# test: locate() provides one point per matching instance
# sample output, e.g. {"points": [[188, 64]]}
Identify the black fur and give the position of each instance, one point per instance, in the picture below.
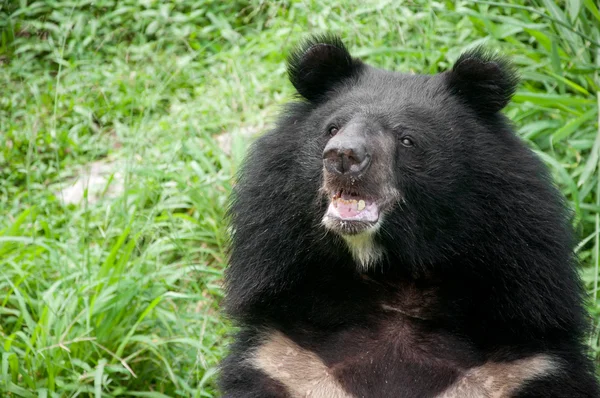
{"points": [[478, 245], [319, 64], [484, 80]]}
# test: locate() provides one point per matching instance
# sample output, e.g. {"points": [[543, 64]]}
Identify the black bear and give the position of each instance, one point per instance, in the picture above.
{"points": [[393, 237]]}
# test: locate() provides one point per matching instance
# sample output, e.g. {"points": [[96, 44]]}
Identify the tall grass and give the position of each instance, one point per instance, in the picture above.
{"points": [[119, 296]]}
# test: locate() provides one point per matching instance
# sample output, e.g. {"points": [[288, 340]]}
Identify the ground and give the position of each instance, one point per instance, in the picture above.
{"points": [[114, 289]]}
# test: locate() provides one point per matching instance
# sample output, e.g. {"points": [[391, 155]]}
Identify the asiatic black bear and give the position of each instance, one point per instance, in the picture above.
{"points": [[392, 237]]}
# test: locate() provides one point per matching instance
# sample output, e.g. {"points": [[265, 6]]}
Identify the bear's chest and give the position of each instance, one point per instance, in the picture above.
{"points": [[398, 358]]}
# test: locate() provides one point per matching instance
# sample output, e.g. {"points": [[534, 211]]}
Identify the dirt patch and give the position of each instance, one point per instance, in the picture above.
{"points": [[101, 179]]}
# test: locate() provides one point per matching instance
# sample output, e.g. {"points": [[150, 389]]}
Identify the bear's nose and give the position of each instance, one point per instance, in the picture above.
{"points": [[346, 155]]}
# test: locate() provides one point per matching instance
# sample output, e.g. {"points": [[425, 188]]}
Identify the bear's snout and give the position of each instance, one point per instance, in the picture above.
{"points": [[347, 153]]}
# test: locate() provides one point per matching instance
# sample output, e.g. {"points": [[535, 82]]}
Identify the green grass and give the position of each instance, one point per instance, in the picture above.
{"points": [[119, 296]]}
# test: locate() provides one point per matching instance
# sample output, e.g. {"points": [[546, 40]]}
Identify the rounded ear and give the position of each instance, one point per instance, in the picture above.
{"points": [[484, 80], [318, 64]]}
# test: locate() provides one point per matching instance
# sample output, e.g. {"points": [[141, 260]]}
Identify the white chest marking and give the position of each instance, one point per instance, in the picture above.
{"points": [[500, 379], [305, 375], [301, 371]]}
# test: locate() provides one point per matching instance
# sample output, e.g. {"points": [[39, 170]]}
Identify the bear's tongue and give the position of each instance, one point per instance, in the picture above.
{"points": [[346, 207]]}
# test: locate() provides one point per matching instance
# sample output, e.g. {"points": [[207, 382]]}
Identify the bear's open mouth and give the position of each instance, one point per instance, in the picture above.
{"points": [[350, 206]]}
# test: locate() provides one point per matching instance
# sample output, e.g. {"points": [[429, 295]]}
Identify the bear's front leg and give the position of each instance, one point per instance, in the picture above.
{"points": [[240, 378]]}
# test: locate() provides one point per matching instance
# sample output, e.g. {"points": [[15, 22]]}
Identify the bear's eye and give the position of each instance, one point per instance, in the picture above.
{"points": [[407, 142], [333, 130]]}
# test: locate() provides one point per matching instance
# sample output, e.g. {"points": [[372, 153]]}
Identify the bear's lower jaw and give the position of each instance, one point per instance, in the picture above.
{"points": [[348, 226]]}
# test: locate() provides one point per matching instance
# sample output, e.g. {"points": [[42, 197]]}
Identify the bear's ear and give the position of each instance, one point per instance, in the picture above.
{"points": [[318, 64], [483, 79]]}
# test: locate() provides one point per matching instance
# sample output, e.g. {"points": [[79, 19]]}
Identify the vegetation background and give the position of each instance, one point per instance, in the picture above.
{"points": [[122, 123]]}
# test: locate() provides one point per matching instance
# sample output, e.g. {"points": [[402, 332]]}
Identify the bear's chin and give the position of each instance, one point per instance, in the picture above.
{"points": [[349, 227]]}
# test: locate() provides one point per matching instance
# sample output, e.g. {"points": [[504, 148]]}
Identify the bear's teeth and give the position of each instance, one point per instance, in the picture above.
{"points": [[361, 205]]}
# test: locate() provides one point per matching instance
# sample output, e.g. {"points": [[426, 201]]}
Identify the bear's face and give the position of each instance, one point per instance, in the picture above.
{"points": [[392, 146], [384, 136]]}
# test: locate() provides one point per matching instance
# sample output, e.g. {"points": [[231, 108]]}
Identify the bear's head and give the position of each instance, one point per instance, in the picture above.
{"points": [[398, 150], [388, 170]]}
